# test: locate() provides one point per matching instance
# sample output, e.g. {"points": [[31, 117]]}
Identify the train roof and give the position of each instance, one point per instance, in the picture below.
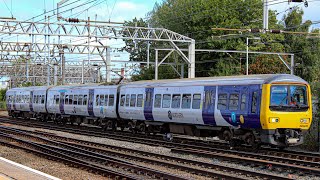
{"points": [[84, 86], [39, 88], [223, 80]]}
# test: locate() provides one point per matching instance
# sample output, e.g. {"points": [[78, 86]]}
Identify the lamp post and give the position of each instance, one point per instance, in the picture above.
{"points": [[247, 60]]}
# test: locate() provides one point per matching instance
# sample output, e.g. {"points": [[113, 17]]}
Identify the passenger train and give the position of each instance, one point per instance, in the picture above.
{"points": [[255, 109]]}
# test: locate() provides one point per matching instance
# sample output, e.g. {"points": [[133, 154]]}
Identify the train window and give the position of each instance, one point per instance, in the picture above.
{"points": [[196, 101], [75, 99], [71, 99], [222, 101], [148, 98], [34, 99], [122, 100], [140, 100], [85, 99], [39, 99], [56, 99], [42, 99], [106, 98], [233, 101], [208, 97], [127, 99], [101, 103], [80, 99], [175, 103], [157, 101], [133, 100], [97, 100], [111, 100], [66, 100], [166, 100], [186, 101], [243, 101], [254, 102]]}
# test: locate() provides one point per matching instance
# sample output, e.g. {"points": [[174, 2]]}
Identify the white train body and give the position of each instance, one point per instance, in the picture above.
{"points": [[88, 101]]}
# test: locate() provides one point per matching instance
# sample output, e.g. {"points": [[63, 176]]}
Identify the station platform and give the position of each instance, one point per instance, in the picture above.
{"points": [[11, 170]]}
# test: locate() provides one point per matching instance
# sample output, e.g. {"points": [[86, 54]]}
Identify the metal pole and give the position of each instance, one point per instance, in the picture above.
{"points": [[148, 51], [265, 15], [156, 66], [48, 62], [55, 80], [82, 72], [98, 73], [247, 58], [89, 45], [108, 66], [182, 71], [192, 59], [292, 65]]}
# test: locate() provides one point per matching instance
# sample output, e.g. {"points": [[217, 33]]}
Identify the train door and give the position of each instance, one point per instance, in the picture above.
{"points": [[255, 96], [61, 102], [148, 102], [208, 105], [90, 102], [31, 101], [254, 105]]}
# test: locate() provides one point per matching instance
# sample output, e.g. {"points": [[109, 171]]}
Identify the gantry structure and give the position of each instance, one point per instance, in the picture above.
{"points": [[39, 53]]}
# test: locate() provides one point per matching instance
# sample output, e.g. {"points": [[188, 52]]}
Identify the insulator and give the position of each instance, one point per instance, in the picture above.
{"points": [[255, 30], [275, 31], [74, 20]]}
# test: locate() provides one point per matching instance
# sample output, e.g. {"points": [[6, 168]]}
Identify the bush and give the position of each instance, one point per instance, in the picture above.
{"points": [[3, 94], [309, 142], [3, 105]]}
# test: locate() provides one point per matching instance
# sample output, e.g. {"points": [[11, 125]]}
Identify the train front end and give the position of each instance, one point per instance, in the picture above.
{"points": [[286, 113]]}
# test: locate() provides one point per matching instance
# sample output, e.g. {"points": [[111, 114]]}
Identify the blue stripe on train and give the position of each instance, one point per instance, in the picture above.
{"points": [[61, 105], [90, 102], [148, 103], [31, 101]]}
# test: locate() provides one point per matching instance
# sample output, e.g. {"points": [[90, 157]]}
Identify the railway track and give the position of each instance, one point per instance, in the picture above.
{"points": [[91, 148], [158, 140], [89, 160], [290, 161]]}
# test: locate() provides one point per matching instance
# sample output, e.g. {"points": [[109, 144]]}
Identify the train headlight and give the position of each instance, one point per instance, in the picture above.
{"points": [[304, 121], [274, 120]]}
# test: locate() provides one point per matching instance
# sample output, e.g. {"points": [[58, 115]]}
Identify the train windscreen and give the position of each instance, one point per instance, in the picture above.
{"points": [[288, 98]]}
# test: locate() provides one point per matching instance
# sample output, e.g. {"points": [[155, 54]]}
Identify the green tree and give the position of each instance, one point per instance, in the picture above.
{"points": [[196, 19], [305, 48], [3, 94], [136, 48], [165, 72]]}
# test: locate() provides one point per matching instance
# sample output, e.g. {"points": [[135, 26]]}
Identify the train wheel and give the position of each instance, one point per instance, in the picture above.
{"points": [[249, 138], [132, 128], [109, 125], [142, 127], [226, 135]]}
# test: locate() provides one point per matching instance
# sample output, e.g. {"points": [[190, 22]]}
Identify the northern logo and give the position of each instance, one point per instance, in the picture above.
{"points": [[169, 115]]}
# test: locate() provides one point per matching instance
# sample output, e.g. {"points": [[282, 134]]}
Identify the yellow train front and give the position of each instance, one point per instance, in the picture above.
{"points": [[286, 111]]}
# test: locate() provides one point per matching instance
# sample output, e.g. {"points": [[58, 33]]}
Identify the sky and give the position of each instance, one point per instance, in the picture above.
{"points": [[119, 10]]}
